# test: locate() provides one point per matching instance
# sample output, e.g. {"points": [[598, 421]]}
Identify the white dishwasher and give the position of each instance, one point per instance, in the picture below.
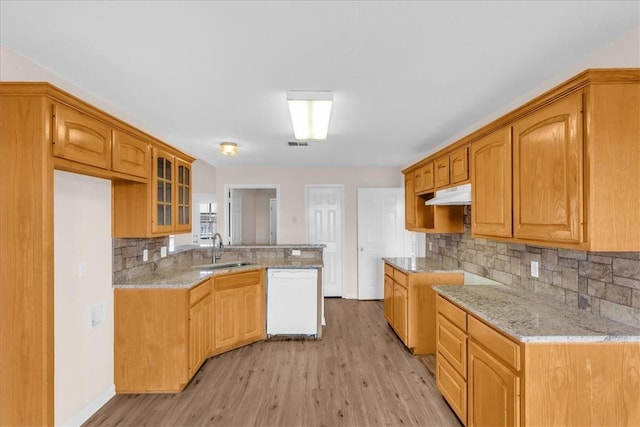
{"points": [[292, 301]]}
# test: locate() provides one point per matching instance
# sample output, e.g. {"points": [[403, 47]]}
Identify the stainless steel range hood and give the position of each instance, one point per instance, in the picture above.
{"points": [[460, 195]]}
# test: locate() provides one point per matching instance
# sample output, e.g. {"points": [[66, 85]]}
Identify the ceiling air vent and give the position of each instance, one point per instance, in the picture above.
{"points": [[297, 144]]}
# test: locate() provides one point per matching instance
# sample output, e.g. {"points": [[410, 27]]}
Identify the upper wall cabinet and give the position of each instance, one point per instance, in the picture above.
{"points": [[130, 154], [81, 138], [160, 208], [452, 168], [560, 171], [424, 178], [491, 189], [547, 178]]}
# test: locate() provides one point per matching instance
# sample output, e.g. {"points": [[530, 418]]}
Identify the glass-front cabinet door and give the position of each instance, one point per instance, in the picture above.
{"points": [[183, 187], [163, 200]]}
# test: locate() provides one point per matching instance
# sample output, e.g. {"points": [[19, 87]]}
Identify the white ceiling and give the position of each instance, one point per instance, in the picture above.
{"points": [[406, 76]]}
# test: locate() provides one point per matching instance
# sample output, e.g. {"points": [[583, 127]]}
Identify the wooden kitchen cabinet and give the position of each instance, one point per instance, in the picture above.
{"points": [[388, 297], [200, 326], [452, 168], [451, 356], [574, 150], [494, 391], [429, 219], [424, 178], [410, 305], [493, 377], [400, 311], [441, 172], [239, 309], [491, 190], [158, 208], [80, 137], [459, 165], [547, 173], [538, 382], [130, 155], [163, 336]]}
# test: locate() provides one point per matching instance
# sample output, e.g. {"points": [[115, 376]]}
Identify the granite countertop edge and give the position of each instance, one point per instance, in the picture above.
{"points": [[422, 265], [191, 276], [530, 318]]}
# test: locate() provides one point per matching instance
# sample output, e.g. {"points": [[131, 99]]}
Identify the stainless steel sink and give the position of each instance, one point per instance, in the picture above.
{"points": [[212, 267]]}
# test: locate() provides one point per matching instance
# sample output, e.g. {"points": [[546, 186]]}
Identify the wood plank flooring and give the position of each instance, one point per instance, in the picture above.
{"points": [[358, 374]]}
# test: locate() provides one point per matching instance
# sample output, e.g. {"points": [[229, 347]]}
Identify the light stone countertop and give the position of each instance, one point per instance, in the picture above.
{"points": [[422, 265], [531, 318], [189, 276]]}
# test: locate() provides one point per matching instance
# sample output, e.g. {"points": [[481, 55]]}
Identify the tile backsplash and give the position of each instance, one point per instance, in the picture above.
{"points": [[605, 283]]}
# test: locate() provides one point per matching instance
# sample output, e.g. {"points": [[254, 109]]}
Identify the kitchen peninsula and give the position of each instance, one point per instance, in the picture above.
{"points": [[171, 316]]}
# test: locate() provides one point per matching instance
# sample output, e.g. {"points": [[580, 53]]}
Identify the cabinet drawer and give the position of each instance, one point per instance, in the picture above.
{"points": [[235, 280], [199, 292], [388, 270], [400, 277], [452, 386], [451, 343], [455, 315], [499, 345]]}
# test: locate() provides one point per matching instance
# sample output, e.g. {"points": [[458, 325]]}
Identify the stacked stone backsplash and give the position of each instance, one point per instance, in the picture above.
{"points": [[605, 283], [128, 264]]}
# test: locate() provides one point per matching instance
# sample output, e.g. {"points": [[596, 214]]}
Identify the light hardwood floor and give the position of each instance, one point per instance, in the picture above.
{"points": [[358, 374]]}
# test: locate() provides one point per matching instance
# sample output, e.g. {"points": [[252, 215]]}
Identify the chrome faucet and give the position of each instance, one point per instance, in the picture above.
{"points": [[214, 255]]}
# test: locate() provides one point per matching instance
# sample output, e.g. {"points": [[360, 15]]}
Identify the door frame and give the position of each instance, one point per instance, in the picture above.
{"points": [[227, 211]]}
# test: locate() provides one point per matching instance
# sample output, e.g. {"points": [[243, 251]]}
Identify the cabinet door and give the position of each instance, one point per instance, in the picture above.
{"points": [[388, 299], [409, 202], [442, 172], [494, 391], [428, 177], [547, 164], [200, 333], [400, 299], [491, 178], [81, 138], [418, 181], [459, 165], [130, 154], [452, 386], [226, 319], [162, 187], [183, 197], [252, 325]]}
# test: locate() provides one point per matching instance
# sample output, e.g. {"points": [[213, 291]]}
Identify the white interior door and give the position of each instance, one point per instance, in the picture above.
{"points": [[324, 225], [381, 233]]}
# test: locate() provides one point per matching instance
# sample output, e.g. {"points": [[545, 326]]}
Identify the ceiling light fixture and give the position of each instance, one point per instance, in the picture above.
{"points": [[229, 148], [310, 113]]}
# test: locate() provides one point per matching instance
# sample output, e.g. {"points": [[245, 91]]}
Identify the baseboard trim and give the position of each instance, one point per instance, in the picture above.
{"points": [[91, 408]]}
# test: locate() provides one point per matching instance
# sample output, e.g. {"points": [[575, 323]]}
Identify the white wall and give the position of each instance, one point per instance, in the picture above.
{"points": [[292, 227], [82, 265], [621, 53]]}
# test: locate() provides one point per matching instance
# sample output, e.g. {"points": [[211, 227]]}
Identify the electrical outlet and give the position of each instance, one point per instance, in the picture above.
{"points": [[145, 255], [295, 252], [534, 268], [163, 252], [430, 246]]}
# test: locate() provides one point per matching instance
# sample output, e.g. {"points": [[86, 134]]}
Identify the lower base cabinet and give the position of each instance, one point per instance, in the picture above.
{"points": [[410, 305], [510, 383], [163, 336]]}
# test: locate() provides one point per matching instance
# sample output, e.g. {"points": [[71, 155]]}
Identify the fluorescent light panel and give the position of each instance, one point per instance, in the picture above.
{"points": [[310, 114]]}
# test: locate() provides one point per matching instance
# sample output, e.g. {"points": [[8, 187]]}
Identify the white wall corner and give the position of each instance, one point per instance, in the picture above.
{"points": [[91, 408]]}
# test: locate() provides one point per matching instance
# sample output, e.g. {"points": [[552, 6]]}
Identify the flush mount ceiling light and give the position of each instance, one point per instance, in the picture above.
{"points": [[229, 148], [310, 113]]}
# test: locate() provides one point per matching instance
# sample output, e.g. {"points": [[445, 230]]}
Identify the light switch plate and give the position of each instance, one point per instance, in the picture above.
{"points": [[163, 252], [145, 255], [430, 246], [534, 268]]}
